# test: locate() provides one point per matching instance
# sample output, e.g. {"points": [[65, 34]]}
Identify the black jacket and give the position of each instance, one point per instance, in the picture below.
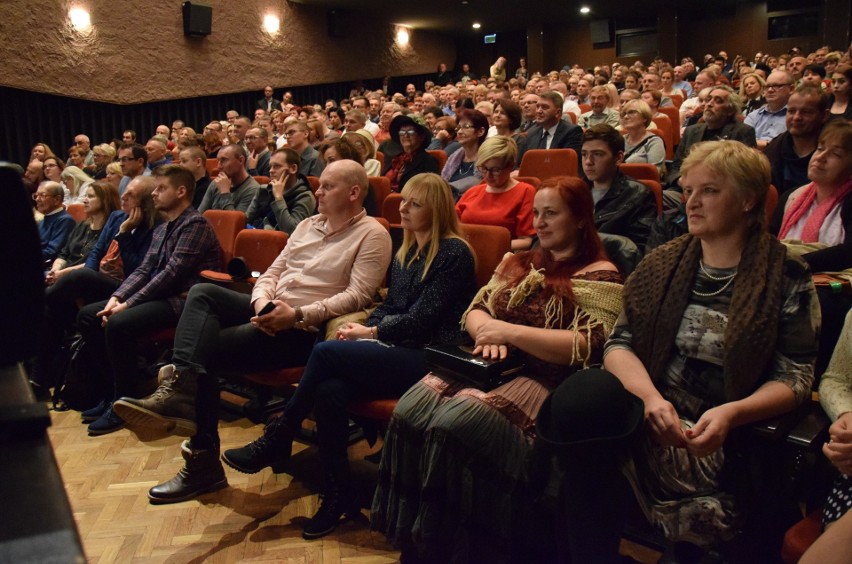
{"points": [[628, 208]]}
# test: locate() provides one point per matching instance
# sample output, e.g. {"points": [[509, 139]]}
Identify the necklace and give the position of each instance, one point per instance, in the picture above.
{"points": [[728, 279], [466, 168]]}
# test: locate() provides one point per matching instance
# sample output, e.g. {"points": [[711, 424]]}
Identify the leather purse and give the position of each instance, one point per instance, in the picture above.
{"points": [[458, 362]]}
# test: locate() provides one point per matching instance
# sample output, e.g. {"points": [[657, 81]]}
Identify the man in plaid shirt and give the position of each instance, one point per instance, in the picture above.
{"points": [[152, 296]]}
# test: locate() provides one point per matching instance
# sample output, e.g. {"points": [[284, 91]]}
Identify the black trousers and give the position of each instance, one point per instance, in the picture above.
{"points": [[214, 338]]}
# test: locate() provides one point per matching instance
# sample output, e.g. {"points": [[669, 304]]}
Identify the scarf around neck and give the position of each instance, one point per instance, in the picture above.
{"points": [[810, 231], [658, 291]]}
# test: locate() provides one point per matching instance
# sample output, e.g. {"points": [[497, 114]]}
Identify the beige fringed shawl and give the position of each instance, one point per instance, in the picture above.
{"points": [[599, 302]]}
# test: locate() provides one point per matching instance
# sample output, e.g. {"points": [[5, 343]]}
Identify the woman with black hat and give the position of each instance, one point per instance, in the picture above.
{"points": [[413, 136], [718, 331]]}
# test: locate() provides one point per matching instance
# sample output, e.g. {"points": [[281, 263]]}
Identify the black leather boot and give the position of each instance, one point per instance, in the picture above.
{"points": [[273, 449], [338, 502], [202, 473]]}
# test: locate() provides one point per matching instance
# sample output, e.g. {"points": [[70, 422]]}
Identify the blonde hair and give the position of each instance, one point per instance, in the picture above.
{"points": [[747, 170], [497, 147], [640, 106], [78, 178], [115, 168], [433, 192]]}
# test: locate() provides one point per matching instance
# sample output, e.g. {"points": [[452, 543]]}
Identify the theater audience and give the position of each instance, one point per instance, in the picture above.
{"points": [[122, 244], [413, 136], [718, 331], [600, 113], [363, 140], [287, 199], [133, 159], [102, 155], [233, 188], [57, 223], [550, 130], [432, 283], [752, 89], [40, 151], [257, 143], [339, 257], [790, 153], [453, 481], [460, 169], [152, 296], [622, 206], [769, 121], [113, 174], [720, 123], [500, 199], [840, 81], [100, 199], [640, 145], [444, 135]]}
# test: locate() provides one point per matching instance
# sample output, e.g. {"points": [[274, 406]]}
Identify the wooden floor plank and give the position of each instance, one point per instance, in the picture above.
{"points": [[257, 519]]}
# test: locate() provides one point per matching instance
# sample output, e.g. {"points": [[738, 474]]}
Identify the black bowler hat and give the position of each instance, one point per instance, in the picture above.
{"points": [[591, 409]]}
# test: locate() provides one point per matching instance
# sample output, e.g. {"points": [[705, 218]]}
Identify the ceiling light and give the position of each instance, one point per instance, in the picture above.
{"points": [[271, 24], [585, 10], [80, 19], [476, 25], [402, 36]]}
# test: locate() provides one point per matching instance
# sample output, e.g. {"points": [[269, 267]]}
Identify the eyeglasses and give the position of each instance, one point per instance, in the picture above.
{"points": [[629, 113], [51, 165], [773, 86], [494, 171], [42, 195], [407, 133], [292, 132], [126, 159], [465, 126]]}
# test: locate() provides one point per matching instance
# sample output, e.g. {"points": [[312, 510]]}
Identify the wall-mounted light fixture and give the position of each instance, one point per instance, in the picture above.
{"points": [[476, 25], [80, 19], [403, 36], [271, 24]]}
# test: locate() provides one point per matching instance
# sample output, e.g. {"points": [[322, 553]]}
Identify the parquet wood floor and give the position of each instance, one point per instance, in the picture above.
{"points": [[256, 519]]}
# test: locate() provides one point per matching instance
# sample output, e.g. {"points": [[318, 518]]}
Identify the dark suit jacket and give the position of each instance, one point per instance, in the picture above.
{"points": [[261, 104], [567, 136], [693, 134]]}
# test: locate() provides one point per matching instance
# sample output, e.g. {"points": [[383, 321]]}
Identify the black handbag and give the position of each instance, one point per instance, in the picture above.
{"points": [[458, 362]]}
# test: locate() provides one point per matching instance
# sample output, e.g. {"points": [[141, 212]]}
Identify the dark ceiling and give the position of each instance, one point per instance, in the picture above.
{"points": [[455, 17]]}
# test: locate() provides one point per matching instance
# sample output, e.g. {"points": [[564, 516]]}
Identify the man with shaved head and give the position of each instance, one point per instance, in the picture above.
{"points": [[332, 265]]}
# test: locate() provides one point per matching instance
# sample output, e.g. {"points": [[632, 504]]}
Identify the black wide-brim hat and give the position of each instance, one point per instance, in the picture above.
{"points": [[421, 128], [591, 410]]}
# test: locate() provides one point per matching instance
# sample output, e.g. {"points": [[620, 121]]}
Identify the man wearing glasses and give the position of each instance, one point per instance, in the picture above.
{"points": [[134, 162], [770, 121], [297, 139], [57, 224], [257, 141]]}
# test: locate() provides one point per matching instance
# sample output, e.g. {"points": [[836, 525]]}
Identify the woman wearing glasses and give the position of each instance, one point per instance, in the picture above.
{"points": [[460, 170], [413, 136], [640, 145], [501, 200]]}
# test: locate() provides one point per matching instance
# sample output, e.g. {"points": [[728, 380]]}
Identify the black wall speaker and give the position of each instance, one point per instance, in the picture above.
{"points": [[336, 23], [197, 19], [601, 31]]}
